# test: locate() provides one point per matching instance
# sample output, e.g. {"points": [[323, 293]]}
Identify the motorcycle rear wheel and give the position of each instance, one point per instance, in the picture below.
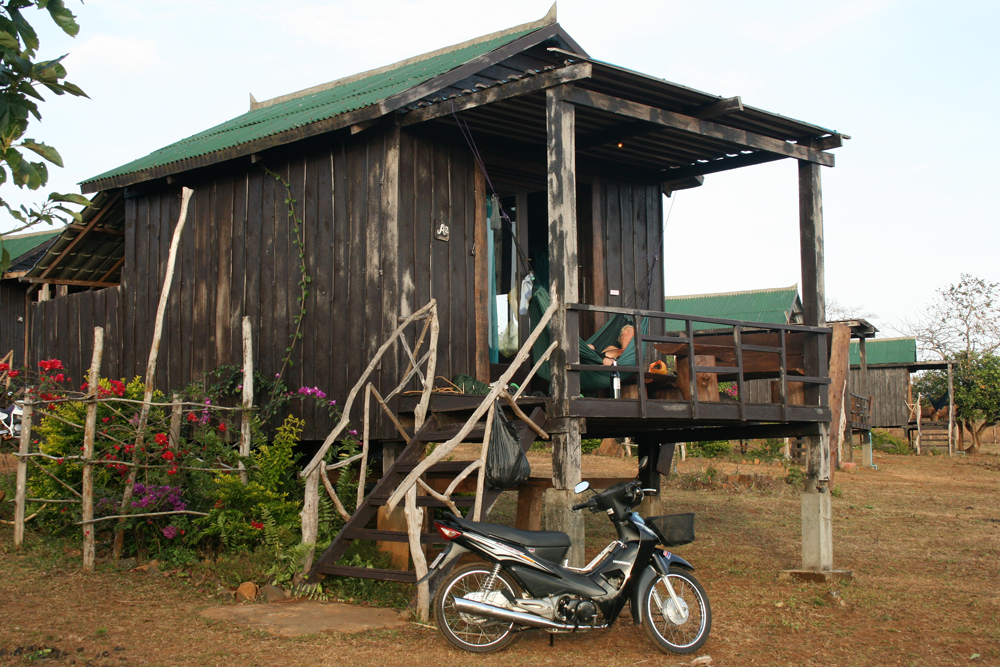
{"points": [[468, 632], [679, 634]]}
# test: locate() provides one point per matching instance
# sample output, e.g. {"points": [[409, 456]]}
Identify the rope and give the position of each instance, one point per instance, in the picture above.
{"points": [[467, 135]]}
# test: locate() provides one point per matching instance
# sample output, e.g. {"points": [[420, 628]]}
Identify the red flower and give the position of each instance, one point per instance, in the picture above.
{"points": [[83, 387], [59, 378], [4, 367], [256, 525], [172, 471], [50, 364], [167, 456], [222, 427], [13, 374], [192, 417], [161, 438]]}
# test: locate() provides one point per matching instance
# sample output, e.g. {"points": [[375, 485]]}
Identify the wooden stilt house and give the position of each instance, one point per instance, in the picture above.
{"points": [[450, 176]]}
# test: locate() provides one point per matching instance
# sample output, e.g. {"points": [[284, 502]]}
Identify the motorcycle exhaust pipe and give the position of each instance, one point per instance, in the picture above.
{"points": [[467, 606]]}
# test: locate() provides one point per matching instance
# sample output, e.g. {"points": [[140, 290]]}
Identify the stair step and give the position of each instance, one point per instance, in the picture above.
{"points": [[422, 501], [367, 573], [391, 536], [443, 435], [444, 467]]}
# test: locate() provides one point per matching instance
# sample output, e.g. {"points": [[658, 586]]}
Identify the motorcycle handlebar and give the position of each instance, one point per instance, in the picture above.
{"points": [[581, 506]]}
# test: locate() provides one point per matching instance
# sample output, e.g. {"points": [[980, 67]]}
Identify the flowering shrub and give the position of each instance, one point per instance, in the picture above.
{"points": [[177, 472]]}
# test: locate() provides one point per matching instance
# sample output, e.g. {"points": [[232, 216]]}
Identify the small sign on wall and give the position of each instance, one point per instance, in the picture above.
{"points": [[615, 292], [441, 233]]}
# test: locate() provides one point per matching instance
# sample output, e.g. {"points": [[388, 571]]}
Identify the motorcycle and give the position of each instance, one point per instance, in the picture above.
{"points": [[526, 584], [10, 422]]}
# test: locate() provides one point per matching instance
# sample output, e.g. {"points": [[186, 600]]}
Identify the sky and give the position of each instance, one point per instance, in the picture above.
{"points": [[911, 204]]}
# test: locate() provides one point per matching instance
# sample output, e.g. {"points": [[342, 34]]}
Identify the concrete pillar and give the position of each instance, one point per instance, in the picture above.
{"points": [[557, 515], [866, 450], [817, 530]]}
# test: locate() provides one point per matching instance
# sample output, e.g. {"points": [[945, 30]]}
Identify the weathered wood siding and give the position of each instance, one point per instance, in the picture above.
{"points": [[888, 388], [12, 299], [437, 186], [63, 328]]}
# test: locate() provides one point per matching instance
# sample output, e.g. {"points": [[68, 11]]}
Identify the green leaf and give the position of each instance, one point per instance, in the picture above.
{"points": [[24, 29], [9, 41], [74, 214], [63, 17], [47, 152], [71, 198]]}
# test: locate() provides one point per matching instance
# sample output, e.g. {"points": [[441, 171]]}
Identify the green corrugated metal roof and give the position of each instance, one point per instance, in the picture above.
{"points": [[21, 243], [885, 351], [299, 111], [771, 306]]}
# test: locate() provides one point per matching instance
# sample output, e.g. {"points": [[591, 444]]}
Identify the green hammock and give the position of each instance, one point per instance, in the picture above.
{"points": [[606, 335]]}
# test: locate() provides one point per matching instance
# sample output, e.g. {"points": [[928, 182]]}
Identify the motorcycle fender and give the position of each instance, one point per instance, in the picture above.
{"points": [[451, 552], [660, 565]]}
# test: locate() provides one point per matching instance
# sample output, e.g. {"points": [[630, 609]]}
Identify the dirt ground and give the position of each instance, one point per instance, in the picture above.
{"points": [[921, 534]]}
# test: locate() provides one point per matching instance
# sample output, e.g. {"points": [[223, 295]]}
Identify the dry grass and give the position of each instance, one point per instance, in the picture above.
{"points": [[922, 535]]}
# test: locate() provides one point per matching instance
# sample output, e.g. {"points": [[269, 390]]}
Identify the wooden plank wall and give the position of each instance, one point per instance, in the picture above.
{"points": [[237, 257], [63, 329], [630, 217], [12, 299], [888, 388], [437, 185]]}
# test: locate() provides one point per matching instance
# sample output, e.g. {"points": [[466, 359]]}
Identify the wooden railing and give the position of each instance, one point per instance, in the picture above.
{"points": [[750, 350], [861, 415]]}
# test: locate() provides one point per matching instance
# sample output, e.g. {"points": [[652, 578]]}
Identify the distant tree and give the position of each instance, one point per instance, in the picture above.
{"points": [[22, 79], [838, 312], [976, 380], [965, 317], [963, 325]]}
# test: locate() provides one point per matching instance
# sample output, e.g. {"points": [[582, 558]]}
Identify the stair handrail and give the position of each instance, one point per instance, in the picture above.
{"points": [[500, 386]]}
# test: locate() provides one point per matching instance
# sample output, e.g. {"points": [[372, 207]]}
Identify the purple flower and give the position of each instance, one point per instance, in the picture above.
{"points": [[170, 532], [333, 402], [277, 375], [354, 432]]}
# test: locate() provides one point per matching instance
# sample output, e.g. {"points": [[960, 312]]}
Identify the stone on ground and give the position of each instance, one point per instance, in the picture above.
{"points": [[246, 592], [294, 618], [272, 593]]}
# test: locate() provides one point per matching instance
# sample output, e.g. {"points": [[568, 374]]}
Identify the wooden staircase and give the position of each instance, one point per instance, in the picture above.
{"points": [[357, 527]]}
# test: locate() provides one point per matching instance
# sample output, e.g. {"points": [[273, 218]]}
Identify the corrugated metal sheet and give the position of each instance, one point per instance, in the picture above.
{"points": [[770, 306], [886, 351], [300, 111], [20, 244]]}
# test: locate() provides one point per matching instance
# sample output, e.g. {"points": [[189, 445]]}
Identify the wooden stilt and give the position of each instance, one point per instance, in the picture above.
{"points": [[89, 431], [247, 415], [21, 490]]}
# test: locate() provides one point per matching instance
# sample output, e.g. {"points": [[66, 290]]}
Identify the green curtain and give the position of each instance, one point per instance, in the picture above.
{"points": [[606, 335]]}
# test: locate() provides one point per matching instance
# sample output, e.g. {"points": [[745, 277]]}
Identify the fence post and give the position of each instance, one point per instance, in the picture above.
{"points": [[22, 474], [247, 398], [90, 427]]}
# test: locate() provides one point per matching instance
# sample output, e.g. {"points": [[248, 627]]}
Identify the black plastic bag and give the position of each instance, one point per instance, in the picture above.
{"points": [[506, 464]]}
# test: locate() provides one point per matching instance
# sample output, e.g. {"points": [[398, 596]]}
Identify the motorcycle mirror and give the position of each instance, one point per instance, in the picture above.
{"points": [[581, 487], [643, 462]]}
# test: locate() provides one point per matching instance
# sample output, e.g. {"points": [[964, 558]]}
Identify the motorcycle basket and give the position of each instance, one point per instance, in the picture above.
{"points": [[673, 529]]}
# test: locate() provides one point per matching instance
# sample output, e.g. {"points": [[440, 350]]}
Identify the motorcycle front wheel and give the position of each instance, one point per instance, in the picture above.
{"points": [[469, 632], [673, 628]]}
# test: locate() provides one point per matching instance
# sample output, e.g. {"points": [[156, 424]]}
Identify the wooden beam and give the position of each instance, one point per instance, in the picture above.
{"points": [[560, 130], [110, 232], [722, 164], [670, 187], [481, 284], [499, 92], [114, 268], [83, 232], [716, 109], [616, 134], [834, 140], [76, 283], [703, 128]]}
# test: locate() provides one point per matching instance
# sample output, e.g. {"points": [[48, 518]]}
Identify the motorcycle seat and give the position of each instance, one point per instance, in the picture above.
{"points": [[528, 538]]}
